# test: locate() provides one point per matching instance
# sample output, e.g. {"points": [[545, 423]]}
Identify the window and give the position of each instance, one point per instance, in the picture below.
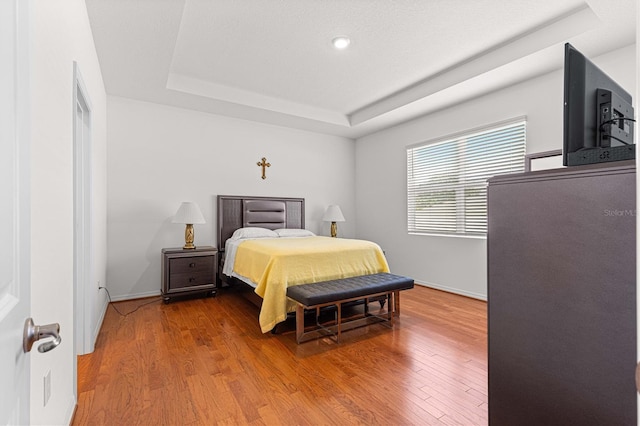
{"points": [[447, 180]]}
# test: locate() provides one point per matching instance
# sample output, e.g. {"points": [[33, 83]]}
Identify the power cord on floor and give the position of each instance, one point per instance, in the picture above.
{"points": [[128, 313]]}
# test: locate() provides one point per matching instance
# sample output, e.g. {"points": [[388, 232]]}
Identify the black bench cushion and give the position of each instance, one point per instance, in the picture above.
{"points": [[347, 288]]}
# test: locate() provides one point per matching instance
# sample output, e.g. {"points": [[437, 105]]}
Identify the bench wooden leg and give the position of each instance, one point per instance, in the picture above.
{"points": [[396, 303], [299, 322], [339, 307]]}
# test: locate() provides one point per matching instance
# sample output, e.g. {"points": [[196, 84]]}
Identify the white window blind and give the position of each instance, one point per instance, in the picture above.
{"points": [[447, 181]]}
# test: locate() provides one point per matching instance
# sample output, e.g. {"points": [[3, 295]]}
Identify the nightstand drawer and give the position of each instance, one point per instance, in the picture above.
{"points": [[189, 265], [191, 279]]}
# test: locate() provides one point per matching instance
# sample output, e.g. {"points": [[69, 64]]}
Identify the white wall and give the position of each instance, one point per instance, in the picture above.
{"points": [[159, 156], [60, 35], [452, 263]]}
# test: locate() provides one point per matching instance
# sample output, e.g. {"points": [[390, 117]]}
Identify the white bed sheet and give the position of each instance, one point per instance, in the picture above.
{"points": [[230, 250]]}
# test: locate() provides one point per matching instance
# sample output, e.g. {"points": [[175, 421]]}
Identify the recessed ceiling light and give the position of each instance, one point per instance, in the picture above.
{"points": [[341, 42]]}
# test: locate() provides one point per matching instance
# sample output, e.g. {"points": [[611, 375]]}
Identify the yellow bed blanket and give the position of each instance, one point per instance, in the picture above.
{"points": [[276, 263]]}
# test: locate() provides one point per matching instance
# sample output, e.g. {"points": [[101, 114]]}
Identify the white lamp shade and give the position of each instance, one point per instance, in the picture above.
{"points": [[189, 213], [333, 214]]}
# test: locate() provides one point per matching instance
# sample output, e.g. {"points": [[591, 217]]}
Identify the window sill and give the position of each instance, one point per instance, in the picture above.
{"points": [[473, 237]]}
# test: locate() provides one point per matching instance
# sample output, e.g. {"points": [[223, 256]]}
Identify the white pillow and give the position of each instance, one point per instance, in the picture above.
{"points": [[253, 232], [291, 232]]}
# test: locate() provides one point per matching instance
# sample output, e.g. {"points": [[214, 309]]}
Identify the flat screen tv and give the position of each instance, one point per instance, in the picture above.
{"points": [[598, 116]]}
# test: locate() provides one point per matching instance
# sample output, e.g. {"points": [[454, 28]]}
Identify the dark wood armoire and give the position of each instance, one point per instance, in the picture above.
{"points": [[562, 296]]}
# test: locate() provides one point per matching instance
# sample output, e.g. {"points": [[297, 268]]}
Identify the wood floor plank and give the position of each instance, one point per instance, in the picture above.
{"points": [[205, 361]]}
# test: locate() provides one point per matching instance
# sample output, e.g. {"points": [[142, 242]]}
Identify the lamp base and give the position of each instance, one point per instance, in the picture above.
{"points": [[188, 237], [334, 229]]}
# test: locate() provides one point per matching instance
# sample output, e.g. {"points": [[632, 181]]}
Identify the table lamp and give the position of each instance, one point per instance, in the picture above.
{"points": [[333, 215], [188, 213]]}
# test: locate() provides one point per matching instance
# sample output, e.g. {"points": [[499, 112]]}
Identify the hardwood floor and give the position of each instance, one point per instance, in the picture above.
{"points": [[205, 361]]}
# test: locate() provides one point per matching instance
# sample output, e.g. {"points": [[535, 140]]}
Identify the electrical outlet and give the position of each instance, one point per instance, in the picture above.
{"points": [[47, 387]]}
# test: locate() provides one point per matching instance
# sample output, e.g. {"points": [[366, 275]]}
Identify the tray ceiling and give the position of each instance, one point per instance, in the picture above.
{"points": [[273, 61]]}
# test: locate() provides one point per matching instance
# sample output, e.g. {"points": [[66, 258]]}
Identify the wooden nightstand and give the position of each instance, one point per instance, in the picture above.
{"points": [[189, 271]]}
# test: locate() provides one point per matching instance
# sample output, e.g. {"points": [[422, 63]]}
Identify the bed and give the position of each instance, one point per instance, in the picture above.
{"points": [[269, 264]]}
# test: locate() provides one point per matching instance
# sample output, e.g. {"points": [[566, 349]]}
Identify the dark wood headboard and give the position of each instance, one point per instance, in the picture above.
{"points": [[235, 212]]}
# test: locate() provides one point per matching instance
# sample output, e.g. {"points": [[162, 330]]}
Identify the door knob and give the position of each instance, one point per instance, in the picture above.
{"points": [[33, 333]]}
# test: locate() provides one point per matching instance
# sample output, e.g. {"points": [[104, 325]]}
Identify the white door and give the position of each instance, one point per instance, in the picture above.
{"points": [[14, 211]]}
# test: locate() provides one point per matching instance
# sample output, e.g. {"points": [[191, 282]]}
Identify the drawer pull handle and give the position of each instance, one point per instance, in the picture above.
{"points": [[191, 279], [192, 265]]}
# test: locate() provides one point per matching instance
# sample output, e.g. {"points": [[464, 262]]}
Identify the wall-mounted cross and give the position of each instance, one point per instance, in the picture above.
{"points": [[264, 164]]}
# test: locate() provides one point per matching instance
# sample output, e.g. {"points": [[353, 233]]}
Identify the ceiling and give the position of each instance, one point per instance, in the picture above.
{"points": [[272, 61]]}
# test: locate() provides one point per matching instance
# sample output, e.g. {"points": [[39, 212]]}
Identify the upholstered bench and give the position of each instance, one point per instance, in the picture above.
{"points": [[337, 292]]}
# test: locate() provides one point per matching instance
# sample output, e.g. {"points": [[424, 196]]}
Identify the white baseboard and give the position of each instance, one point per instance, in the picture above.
{"points": [[422, 283], [71, 408], [454, 290], [135, 296], [100, 320]]}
